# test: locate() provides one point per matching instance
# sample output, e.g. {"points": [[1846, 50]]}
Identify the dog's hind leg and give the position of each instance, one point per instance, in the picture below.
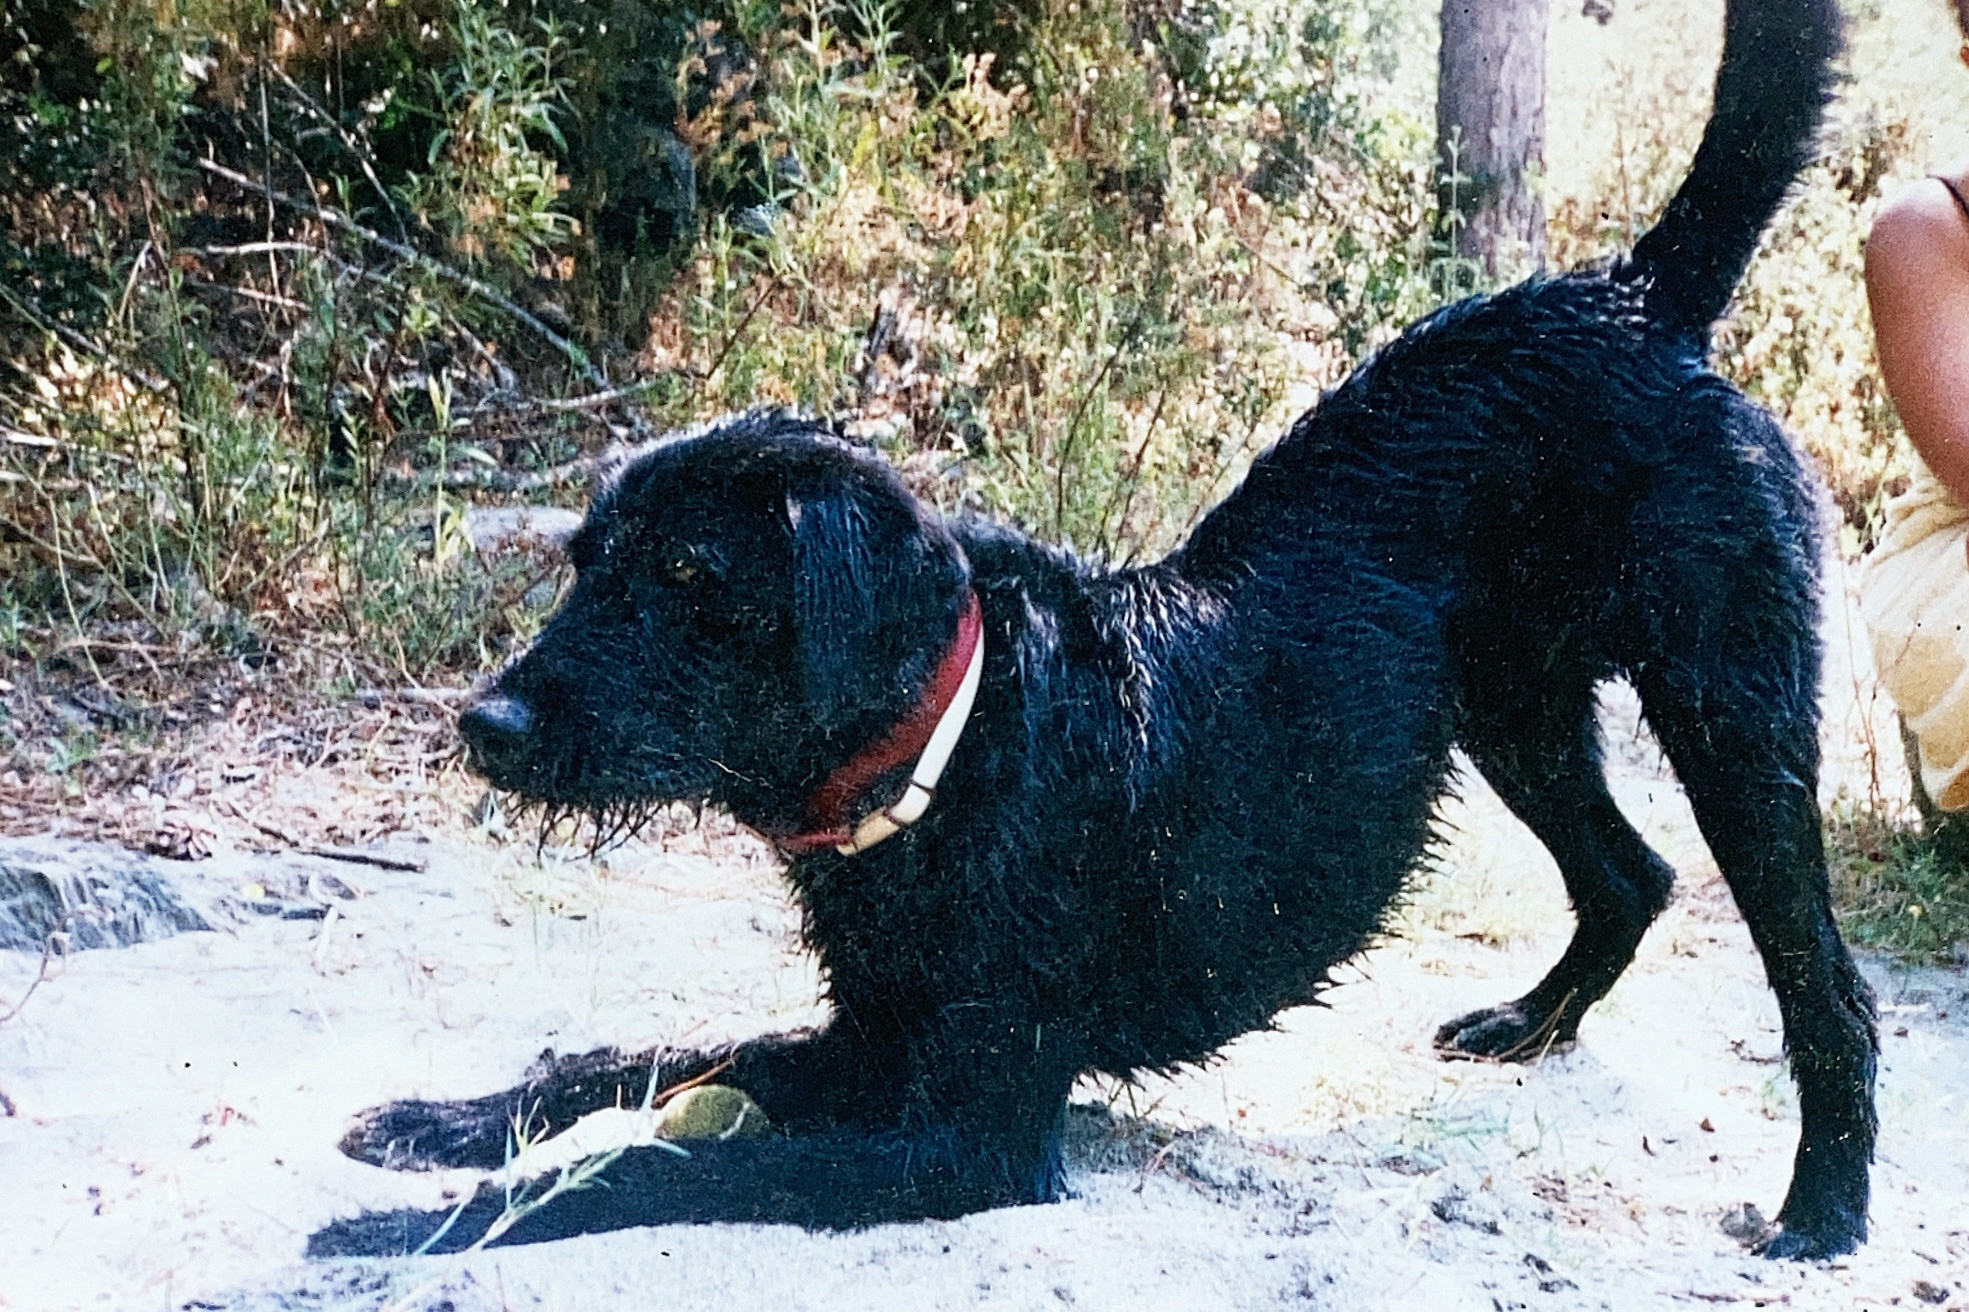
{"points": [[1743, 741], [1542, 755]]}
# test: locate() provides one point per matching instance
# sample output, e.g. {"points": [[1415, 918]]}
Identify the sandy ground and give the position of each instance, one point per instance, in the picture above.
{"points": [[170, 1110]]}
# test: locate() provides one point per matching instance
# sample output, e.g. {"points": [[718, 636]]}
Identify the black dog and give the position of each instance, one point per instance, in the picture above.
{"points": [[1187, 791]]}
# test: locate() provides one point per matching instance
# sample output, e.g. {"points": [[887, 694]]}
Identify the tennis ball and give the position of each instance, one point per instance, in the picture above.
{"points": [[711, 1111]]}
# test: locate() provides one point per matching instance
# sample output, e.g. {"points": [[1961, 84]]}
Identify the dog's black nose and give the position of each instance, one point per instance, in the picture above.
{"points": [[496, 730]]}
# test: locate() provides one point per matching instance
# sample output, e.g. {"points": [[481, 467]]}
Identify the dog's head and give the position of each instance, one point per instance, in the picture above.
{"points": [[753, 604]]}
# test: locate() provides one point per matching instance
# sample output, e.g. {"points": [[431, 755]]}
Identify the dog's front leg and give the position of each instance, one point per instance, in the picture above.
{"points": [[417, 1135], [839, 1178], [801, 1080], [951, 1123]]}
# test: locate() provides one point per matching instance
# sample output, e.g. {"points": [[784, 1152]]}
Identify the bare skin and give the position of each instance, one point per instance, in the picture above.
{"points": [[1917, 283]]}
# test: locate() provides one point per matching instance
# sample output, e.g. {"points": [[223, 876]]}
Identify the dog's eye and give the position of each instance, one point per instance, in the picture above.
{"points": [[689, 567]]}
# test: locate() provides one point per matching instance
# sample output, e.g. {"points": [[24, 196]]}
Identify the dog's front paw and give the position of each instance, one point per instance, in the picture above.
{"points": [[1503, 1033], [430, 1136]]}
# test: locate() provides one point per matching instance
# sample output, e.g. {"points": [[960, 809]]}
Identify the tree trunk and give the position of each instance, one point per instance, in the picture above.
{"points": [[1490, 131]]}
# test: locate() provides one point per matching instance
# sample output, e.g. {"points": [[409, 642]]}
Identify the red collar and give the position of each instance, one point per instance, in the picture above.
{"points": [[928, 733]]}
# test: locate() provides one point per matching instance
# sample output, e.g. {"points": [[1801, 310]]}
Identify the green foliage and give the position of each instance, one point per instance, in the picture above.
{"points": [[198, 522], [1897, 892], [488, 187], [933, 34], [1452, 274], [1042, 292], [1325, 112], [146, 55], [1076, 279]]}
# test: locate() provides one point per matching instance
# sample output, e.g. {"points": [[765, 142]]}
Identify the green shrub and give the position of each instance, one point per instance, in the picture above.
{"points": [[1800, 337], [1043, 292], [1076, 278], [487, 186]]}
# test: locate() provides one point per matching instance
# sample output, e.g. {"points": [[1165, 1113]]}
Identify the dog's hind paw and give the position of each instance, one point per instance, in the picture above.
{"points": [[1504, 1033], [429, 1136], [1812, 1242]]}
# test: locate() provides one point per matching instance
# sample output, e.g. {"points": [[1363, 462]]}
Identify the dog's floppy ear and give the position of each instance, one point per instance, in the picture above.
{"points": [[834, 599], [871, 580]]}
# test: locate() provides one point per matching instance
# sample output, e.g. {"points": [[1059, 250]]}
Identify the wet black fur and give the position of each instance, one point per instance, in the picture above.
{"points": [[1189, 790]]}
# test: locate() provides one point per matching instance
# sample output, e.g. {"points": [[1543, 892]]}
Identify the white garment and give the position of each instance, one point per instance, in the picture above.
{"points": [[1914, 596]]}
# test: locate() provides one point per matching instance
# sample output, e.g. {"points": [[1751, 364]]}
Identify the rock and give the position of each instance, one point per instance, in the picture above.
{"points": [[93, 896], [757, 220], [101, 895], [494, 529], [1746, 1225], [1455, 1206]]}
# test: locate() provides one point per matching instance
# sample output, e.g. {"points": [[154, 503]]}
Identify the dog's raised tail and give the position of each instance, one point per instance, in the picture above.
{"points": [[1771, 91]]}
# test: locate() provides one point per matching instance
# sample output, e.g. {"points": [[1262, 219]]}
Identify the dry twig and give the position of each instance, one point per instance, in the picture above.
{"points": [[75, 339], [484, 291], [41, 977]]}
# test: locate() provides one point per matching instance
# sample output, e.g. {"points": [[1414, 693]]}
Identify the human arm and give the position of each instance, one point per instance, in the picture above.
{"points": [[1917, 279]]}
